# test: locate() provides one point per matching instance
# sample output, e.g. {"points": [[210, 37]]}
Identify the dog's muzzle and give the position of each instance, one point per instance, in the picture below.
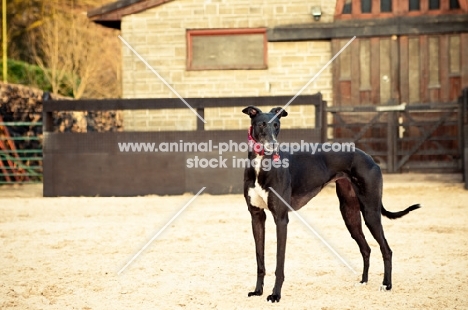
{"points": [[271, 146]]}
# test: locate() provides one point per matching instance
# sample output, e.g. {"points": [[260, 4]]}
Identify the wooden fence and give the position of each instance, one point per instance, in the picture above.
{"points": [[92, 164]]}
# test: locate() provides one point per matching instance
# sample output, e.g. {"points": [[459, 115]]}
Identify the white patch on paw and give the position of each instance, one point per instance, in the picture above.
{"points": [[360, 284], [383, 288]]}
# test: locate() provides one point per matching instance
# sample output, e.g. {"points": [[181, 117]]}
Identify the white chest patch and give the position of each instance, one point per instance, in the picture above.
{"points": [[258, 196]]}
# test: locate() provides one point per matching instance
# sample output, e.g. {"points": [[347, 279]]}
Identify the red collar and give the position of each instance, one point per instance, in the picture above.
{"points": [[258, 147]]}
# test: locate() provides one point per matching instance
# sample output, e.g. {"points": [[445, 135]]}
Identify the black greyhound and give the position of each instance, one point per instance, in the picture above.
{"points": [[297, 178]]}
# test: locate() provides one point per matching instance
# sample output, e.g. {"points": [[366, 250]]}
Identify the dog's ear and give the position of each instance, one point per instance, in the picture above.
{"points": [[279, 111], [252, 111]]}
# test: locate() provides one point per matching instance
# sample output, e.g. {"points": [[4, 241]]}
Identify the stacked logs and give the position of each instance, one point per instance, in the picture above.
{"points": [[19, 103]]}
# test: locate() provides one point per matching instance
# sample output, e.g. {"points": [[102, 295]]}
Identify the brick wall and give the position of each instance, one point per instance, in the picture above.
{"points": [[159, 35]]}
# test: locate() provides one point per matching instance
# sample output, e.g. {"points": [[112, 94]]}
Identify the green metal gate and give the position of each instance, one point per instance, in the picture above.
{"points": [[20, 154]]}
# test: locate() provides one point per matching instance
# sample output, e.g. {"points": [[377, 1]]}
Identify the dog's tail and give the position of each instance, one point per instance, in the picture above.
{"points": [[395, 215]]}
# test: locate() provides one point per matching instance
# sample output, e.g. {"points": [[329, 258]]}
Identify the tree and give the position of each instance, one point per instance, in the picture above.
{"points": [[95, 60], [78, 57], [51, 54]]}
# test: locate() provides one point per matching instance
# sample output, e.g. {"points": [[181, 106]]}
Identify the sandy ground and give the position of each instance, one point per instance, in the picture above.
{"points": [[64, 253]]}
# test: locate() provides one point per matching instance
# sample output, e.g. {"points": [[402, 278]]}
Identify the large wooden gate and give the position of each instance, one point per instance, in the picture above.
{"points": [[401, 137]]}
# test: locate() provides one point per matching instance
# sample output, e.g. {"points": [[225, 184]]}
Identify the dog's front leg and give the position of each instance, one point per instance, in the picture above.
{"points": [[258, 229], [281, 221]]}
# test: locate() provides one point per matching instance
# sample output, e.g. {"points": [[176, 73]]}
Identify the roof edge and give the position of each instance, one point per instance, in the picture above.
{"points": [[110, 15], [107, 8]]}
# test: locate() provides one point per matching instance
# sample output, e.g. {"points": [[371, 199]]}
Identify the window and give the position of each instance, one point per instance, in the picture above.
{"points": [[434, 4], [414, 5], [347, 7], [454, 5], [385, 5], [366, 6], [226, 49]]}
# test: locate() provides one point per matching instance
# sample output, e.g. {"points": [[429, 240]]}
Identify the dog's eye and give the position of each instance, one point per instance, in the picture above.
{"points": [[275, 125]]}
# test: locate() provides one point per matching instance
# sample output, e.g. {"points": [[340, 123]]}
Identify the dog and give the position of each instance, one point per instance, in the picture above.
{"points": [[294, 179]]}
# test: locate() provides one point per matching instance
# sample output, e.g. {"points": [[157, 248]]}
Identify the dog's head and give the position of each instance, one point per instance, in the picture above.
{"points": [[265, 126]]}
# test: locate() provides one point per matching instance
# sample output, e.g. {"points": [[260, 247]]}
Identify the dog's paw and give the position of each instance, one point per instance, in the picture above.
{"points": [[256, 293], [274, 298], [385, 288], [360, 284]]}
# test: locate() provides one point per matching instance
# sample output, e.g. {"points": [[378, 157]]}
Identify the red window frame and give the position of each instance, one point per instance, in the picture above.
{"points": [[238, 31]]}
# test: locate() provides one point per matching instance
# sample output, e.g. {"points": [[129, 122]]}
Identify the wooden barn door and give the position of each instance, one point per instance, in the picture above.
{"points": [[404, 69], [410, 70], [366, 72]]}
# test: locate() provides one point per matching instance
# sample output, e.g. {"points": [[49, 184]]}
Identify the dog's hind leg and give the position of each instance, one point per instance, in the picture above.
{"points": [[350, 210], [370, 198], [374, 223]]}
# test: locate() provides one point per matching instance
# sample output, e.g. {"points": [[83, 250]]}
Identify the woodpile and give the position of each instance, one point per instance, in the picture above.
{"points": [[18, 104]]}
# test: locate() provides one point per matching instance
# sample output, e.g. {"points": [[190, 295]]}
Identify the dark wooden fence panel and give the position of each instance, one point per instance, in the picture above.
{"points": [[90, 164]]}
